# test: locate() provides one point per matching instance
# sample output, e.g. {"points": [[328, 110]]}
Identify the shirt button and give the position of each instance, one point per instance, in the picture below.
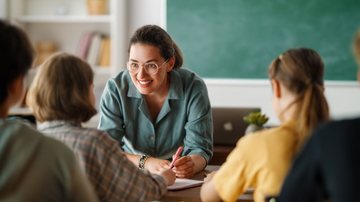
{"points": [[152, 137]]}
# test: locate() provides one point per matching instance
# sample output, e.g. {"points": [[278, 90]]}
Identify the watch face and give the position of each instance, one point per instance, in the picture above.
{"points": [[142, 161]]}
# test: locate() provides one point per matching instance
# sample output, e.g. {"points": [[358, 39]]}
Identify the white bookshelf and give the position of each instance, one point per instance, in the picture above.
{"points": [[65, 21]]}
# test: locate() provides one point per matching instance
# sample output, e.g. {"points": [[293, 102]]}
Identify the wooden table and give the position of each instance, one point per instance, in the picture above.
{"points": [[193, 194]]}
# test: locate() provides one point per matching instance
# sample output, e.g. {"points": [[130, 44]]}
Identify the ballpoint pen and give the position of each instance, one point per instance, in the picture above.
{"points": [[176, 156]]}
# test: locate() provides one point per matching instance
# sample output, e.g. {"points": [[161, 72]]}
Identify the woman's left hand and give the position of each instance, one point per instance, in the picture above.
{"points": [[184, 167]]}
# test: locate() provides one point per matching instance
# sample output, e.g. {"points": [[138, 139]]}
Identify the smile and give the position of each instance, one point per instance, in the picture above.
{"points": [[144, 84]]}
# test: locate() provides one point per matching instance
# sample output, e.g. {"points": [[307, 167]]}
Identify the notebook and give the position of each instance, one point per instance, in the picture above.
{"points": [[229, 125], [181, 183]]}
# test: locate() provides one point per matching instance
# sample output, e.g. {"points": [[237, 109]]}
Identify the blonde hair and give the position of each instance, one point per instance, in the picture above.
{"points": [[61, 90], [301, 72], [356, 47]]}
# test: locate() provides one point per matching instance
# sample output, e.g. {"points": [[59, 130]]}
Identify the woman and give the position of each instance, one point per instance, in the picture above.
{"points": [[155, 106], [327, 169], [62, 97], [261, 160]]}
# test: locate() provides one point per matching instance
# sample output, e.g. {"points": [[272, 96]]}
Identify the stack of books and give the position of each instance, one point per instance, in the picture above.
{"points": [[94, 47]]}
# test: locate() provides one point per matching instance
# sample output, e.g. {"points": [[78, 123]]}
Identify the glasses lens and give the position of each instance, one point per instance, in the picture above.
{"points": [[133, 67], [151, 68]]}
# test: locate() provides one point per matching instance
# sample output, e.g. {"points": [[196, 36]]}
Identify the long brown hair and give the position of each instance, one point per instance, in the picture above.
{"points": [[356, 47], [155, 36], [61, 90], [301, 71]]}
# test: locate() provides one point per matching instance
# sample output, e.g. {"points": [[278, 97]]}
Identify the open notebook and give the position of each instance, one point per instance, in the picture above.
{"points": [[181, 183]]}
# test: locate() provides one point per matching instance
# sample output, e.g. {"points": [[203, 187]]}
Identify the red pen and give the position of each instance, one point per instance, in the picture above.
{"points": [[176, 156]]}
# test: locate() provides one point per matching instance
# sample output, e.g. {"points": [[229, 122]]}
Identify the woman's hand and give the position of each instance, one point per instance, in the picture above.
{"points": [[184, 167], [155, 165]]}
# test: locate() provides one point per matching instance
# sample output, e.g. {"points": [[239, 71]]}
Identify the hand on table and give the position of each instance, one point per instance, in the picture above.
{"points": [[156, 166], [184, 167]]}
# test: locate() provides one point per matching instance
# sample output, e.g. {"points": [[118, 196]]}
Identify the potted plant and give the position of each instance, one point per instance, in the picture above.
{"points": [[256, 121]]}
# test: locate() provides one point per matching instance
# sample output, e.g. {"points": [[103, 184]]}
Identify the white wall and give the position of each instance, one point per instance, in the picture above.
{"points": [[142, 12], [3, 9]]}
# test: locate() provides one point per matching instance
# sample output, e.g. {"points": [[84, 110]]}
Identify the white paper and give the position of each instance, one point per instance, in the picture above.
{"points": [[181, 183]]}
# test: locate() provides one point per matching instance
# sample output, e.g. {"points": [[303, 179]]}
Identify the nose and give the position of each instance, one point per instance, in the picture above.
{"points": [[142, 72]]}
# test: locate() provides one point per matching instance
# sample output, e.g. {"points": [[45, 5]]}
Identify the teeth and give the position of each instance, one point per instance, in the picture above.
{"points": [[144, 82]]}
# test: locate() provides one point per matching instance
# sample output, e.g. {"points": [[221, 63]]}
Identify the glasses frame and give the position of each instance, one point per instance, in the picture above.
{"points": [[143, 66]]}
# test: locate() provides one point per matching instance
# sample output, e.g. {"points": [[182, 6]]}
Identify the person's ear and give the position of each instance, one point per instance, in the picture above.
{"points": [[170, 65], [276, 88]]}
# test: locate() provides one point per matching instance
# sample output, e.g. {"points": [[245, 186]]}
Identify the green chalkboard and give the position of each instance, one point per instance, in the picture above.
{"points": [[239, 38]]}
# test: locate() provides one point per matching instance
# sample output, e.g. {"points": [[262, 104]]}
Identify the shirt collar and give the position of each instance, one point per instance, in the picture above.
{"points": [[55, 124], [175, 91]]}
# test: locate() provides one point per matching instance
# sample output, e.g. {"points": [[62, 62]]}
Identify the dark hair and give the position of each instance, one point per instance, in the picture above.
{"points": [[16, 56], [301, 71], [156, 36], [60, 90]]}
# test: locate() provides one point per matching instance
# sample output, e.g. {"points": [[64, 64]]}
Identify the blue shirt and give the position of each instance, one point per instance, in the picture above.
{"points": [[185, 117]]}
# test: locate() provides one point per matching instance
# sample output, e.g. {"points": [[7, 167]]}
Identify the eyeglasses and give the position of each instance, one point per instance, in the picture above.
{"points": [[150, 67]]}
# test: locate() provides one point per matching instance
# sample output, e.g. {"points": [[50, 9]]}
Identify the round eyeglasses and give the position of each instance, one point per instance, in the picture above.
{"points": [[149, 67]]}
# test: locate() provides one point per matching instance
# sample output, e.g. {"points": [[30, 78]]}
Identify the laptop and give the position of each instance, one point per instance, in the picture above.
{"points": [[229, 125]]}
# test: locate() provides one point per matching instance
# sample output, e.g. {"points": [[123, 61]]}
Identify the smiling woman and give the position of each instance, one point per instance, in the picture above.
{"points": [[155, 106]]}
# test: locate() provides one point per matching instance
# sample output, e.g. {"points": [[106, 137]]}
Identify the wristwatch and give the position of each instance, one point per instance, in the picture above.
{"points": [[142, 160]]}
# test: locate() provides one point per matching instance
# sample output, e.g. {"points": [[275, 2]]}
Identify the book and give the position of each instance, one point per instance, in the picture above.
{"points": [[84, 45], [104, 56], [181, 183], [94, 50]]}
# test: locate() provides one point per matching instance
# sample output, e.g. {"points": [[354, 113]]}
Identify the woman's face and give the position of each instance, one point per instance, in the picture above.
{"points": [[145, 82]]}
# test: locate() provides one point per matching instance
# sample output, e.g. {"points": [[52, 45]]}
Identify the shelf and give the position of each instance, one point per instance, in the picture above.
{"points": [[102, 70], [65, 19]]}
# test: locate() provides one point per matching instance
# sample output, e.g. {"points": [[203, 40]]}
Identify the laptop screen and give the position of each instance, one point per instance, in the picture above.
{"points": [[229, 125]]}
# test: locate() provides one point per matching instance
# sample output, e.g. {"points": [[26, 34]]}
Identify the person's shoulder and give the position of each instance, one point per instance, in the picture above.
{"points": [[121, 80], [187, 74], [189, 79], [25, 133], [98, 138], [338, 128]]}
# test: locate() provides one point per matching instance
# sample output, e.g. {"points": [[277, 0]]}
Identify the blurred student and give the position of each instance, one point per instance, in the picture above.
{"points": [[328, 167], [62, 97], [261, 160], [30, 162]]}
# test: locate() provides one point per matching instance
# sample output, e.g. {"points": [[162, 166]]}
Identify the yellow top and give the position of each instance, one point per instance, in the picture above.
{"points": [[260, 161]]}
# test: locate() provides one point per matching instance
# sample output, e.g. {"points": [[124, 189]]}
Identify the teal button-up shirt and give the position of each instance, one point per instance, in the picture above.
{"points": [[185, 118]]}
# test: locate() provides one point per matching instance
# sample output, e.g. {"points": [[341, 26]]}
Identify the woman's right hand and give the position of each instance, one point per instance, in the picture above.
{"points": [[156, 166]]}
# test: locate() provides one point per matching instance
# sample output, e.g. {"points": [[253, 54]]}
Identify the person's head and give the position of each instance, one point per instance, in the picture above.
{"points": [[16, 57], [152, 55], [63, 90], [298, 73], [356, 50]]}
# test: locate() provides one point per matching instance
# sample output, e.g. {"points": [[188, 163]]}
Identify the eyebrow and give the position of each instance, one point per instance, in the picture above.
{"points": [[151, 60]]}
